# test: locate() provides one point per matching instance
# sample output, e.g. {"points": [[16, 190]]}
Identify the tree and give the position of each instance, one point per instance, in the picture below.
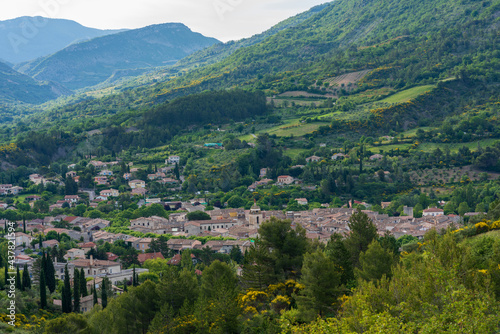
{"points": [[219, 298], [337, 252], [286, 246], [66, 292], [236, 202], [104, 293], [375, 262], [363, 232], [160, 245], [50, 274], [19, 283], [322, 281], [26, 278], [43, 291], [69, 324], [76, 291], [70, 186], [176, 171], [198, 215], [134, 278], [236, 255], [95, 294], [186, 260], [83, 284], [463, 208]]}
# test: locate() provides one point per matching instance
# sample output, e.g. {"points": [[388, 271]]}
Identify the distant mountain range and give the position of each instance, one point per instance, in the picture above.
{"points": [[17, 87], [89, 63], [26, 38]]}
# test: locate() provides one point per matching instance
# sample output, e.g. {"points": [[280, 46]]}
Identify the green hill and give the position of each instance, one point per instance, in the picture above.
{"points": [[17, 87], [402, 43]]}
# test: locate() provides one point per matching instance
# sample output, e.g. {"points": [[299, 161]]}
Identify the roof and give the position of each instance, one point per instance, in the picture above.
{"points": [[149, 256], [433, 210]]}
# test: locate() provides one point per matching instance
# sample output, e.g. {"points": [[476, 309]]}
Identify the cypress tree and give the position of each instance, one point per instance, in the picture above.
{"points": [[104, 294], [43, 291], [83, 284], [76, 291], [134, 282], [66, 293], [50, 274], [26, 278], [40, 241], [95, 294], [24, 225], [19, 283]]}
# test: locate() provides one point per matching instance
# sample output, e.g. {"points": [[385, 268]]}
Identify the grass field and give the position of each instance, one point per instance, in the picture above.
{"points": [[426, 147], [292, 127], [408, 94], [293, 152]]}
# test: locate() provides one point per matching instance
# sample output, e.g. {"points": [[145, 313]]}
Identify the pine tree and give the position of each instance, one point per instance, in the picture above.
{"points": [[19, 283], [83, 284], [95, 294], [50, 274], [104, 294], [76, 291], [66, 293], [26, 278], [43, 291]]}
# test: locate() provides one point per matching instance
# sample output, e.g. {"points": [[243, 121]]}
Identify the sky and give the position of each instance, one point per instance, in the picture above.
{"points": [[223, 19]]}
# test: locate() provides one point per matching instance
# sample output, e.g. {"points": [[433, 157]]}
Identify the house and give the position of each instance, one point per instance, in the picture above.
{"points": [[23, 239], [178, 245], [302, 201], [433, 212], [284, 180], [137, 184], [101, 180], [87, 246], [149, 256], [15, 190], [94, 268], [50, 243], [106, 172], [71, 174], [177, 258], [97, 164], [112, 256], [263, 173], [376, 157], [87, 303], [110, 193], [36, 178], [33, 198], [337, 156], [139, 191], [74, 253], [72, 198], [313, 158], [144, 244], [173, 159]]}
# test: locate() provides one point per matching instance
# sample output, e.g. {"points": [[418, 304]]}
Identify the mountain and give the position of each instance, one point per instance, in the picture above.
{"points": [[89, 63], [26, 38], [397, 43], [221, 51], [17, 87]]}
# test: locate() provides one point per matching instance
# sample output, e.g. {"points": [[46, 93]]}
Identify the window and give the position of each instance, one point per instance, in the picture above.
{"points": [[111, 271]]}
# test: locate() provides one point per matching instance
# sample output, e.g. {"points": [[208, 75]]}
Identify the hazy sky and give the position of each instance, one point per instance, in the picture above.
{"points": [[222, 19]]}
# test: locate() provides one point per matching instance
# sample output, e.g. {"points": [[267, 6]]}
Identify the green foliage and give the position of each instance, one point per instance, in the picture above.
{"points": [[69, 324], [375, 262], [363, 232], [198, 215], [322, 279]]}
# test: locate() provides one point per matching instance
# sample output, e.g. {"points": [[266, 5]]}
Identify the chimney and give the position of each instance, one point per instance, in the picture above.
{"points": [[91, 260]]}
